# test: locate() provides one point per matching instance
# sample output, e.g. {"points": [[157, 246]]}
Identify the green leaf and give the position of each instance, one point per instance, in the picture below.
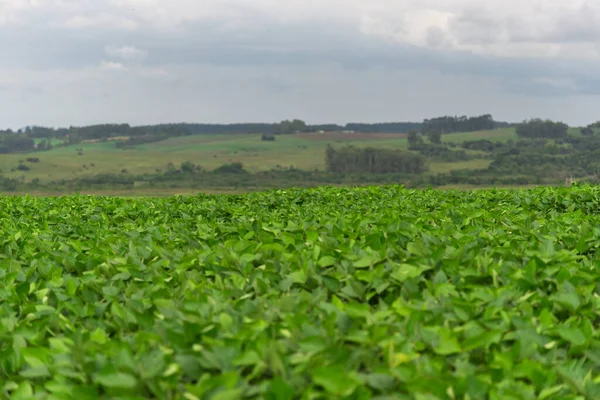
{"points": [[568, 300], [358, 310], [226, 321], [99, 336], [334, 380], [366, 261], [381, 382], [551, 391], [23, 392], [485, 339], [116, 380], [152, 364], [326, 261], [228, 394], [573, 335], [403, 272], [312, 236], [547, 249], [250, 357], [37, 372], [448, 343], [298, 277], [416, 248], [280, 390]]}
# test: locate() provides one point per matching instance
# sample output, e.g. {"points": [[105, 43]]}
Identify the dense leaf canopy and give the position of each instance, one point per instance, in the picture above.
{"points": [[332, 293]]}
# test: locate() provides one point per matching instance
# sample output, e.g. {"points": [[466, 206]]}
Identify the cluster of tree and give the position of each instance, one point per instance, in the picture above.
{"points": [[231, 168], [414, 139], [150, 132], [479, 177], [547, 165], [591, 129], [435, 150], [589, 143], [289, 127], [594, 125], [384, 127], [16, 144], [538, 128], [210, 129], [587, 131], [94, 132], [535, 145], [482, 145], [109, 179], [349, 160], [449, 124], [267, 137], [435, 137], [493, 148], [439, 152], [541, 158], [548, 160], [294, 126], [77, 134], [41, 132]]}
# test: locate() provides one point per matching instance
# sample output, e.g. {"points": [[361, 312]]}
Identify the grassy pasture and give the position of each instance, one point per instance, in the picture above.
{"points": [[303, 151]]}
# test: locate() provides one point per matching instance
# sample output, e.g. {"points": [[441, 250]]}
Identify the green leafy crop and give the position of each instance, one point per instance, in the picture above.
{"points": [[354, 293]]}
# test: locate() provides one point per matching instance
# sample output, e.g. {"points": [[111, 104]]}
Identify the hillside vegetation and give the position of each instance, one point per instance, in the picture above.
{"points": [[294, 154], [302, 151]]}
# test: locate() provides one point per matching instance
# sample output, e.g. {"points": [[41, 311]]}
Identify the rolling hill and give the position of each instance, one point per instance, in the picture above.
{"points": [[303, 151]]}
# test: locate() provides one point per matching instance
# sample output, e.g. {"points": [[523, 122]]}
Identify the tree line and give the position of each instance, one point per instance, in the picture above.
{"points": [[538, 128], [102, 131], [16, 144], [449, 124], [290, 126], [349, 160]]}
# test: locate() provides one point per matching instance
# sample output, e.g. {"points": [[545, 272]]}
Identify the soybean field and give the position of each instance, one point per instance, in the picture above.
{"points": [[328, 293]]}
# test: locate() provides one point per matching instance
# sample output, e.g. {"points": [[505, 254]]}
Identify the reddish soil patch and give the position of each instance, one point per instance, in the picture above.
{"points": [[350, 136]]}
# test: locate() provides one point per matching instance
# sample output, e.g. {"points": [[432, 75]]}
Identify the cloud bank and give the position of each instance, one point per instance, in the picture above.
{"points": [[145, 61]]}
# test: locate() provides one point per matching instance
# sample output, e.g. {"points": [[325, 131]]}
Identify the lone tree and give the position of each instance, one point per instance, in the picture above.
{"points": [[435, 136], [413, 138]]}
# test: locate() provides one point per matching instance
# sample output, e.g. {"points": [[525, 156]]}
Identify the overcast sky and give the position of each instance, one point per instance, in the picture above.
{"points": [[73, 62]]}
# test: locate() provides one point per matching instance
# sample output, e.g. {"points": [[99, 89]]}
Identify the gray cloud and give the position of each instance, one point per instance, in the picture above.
{"points": [[127, 53], [230, 60]]}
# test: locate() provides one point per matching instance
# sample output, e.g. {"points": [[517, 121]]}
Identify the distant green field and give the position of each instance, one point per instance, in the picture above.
{"points": [[53, 141], [499, 135], [304, 151]]}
